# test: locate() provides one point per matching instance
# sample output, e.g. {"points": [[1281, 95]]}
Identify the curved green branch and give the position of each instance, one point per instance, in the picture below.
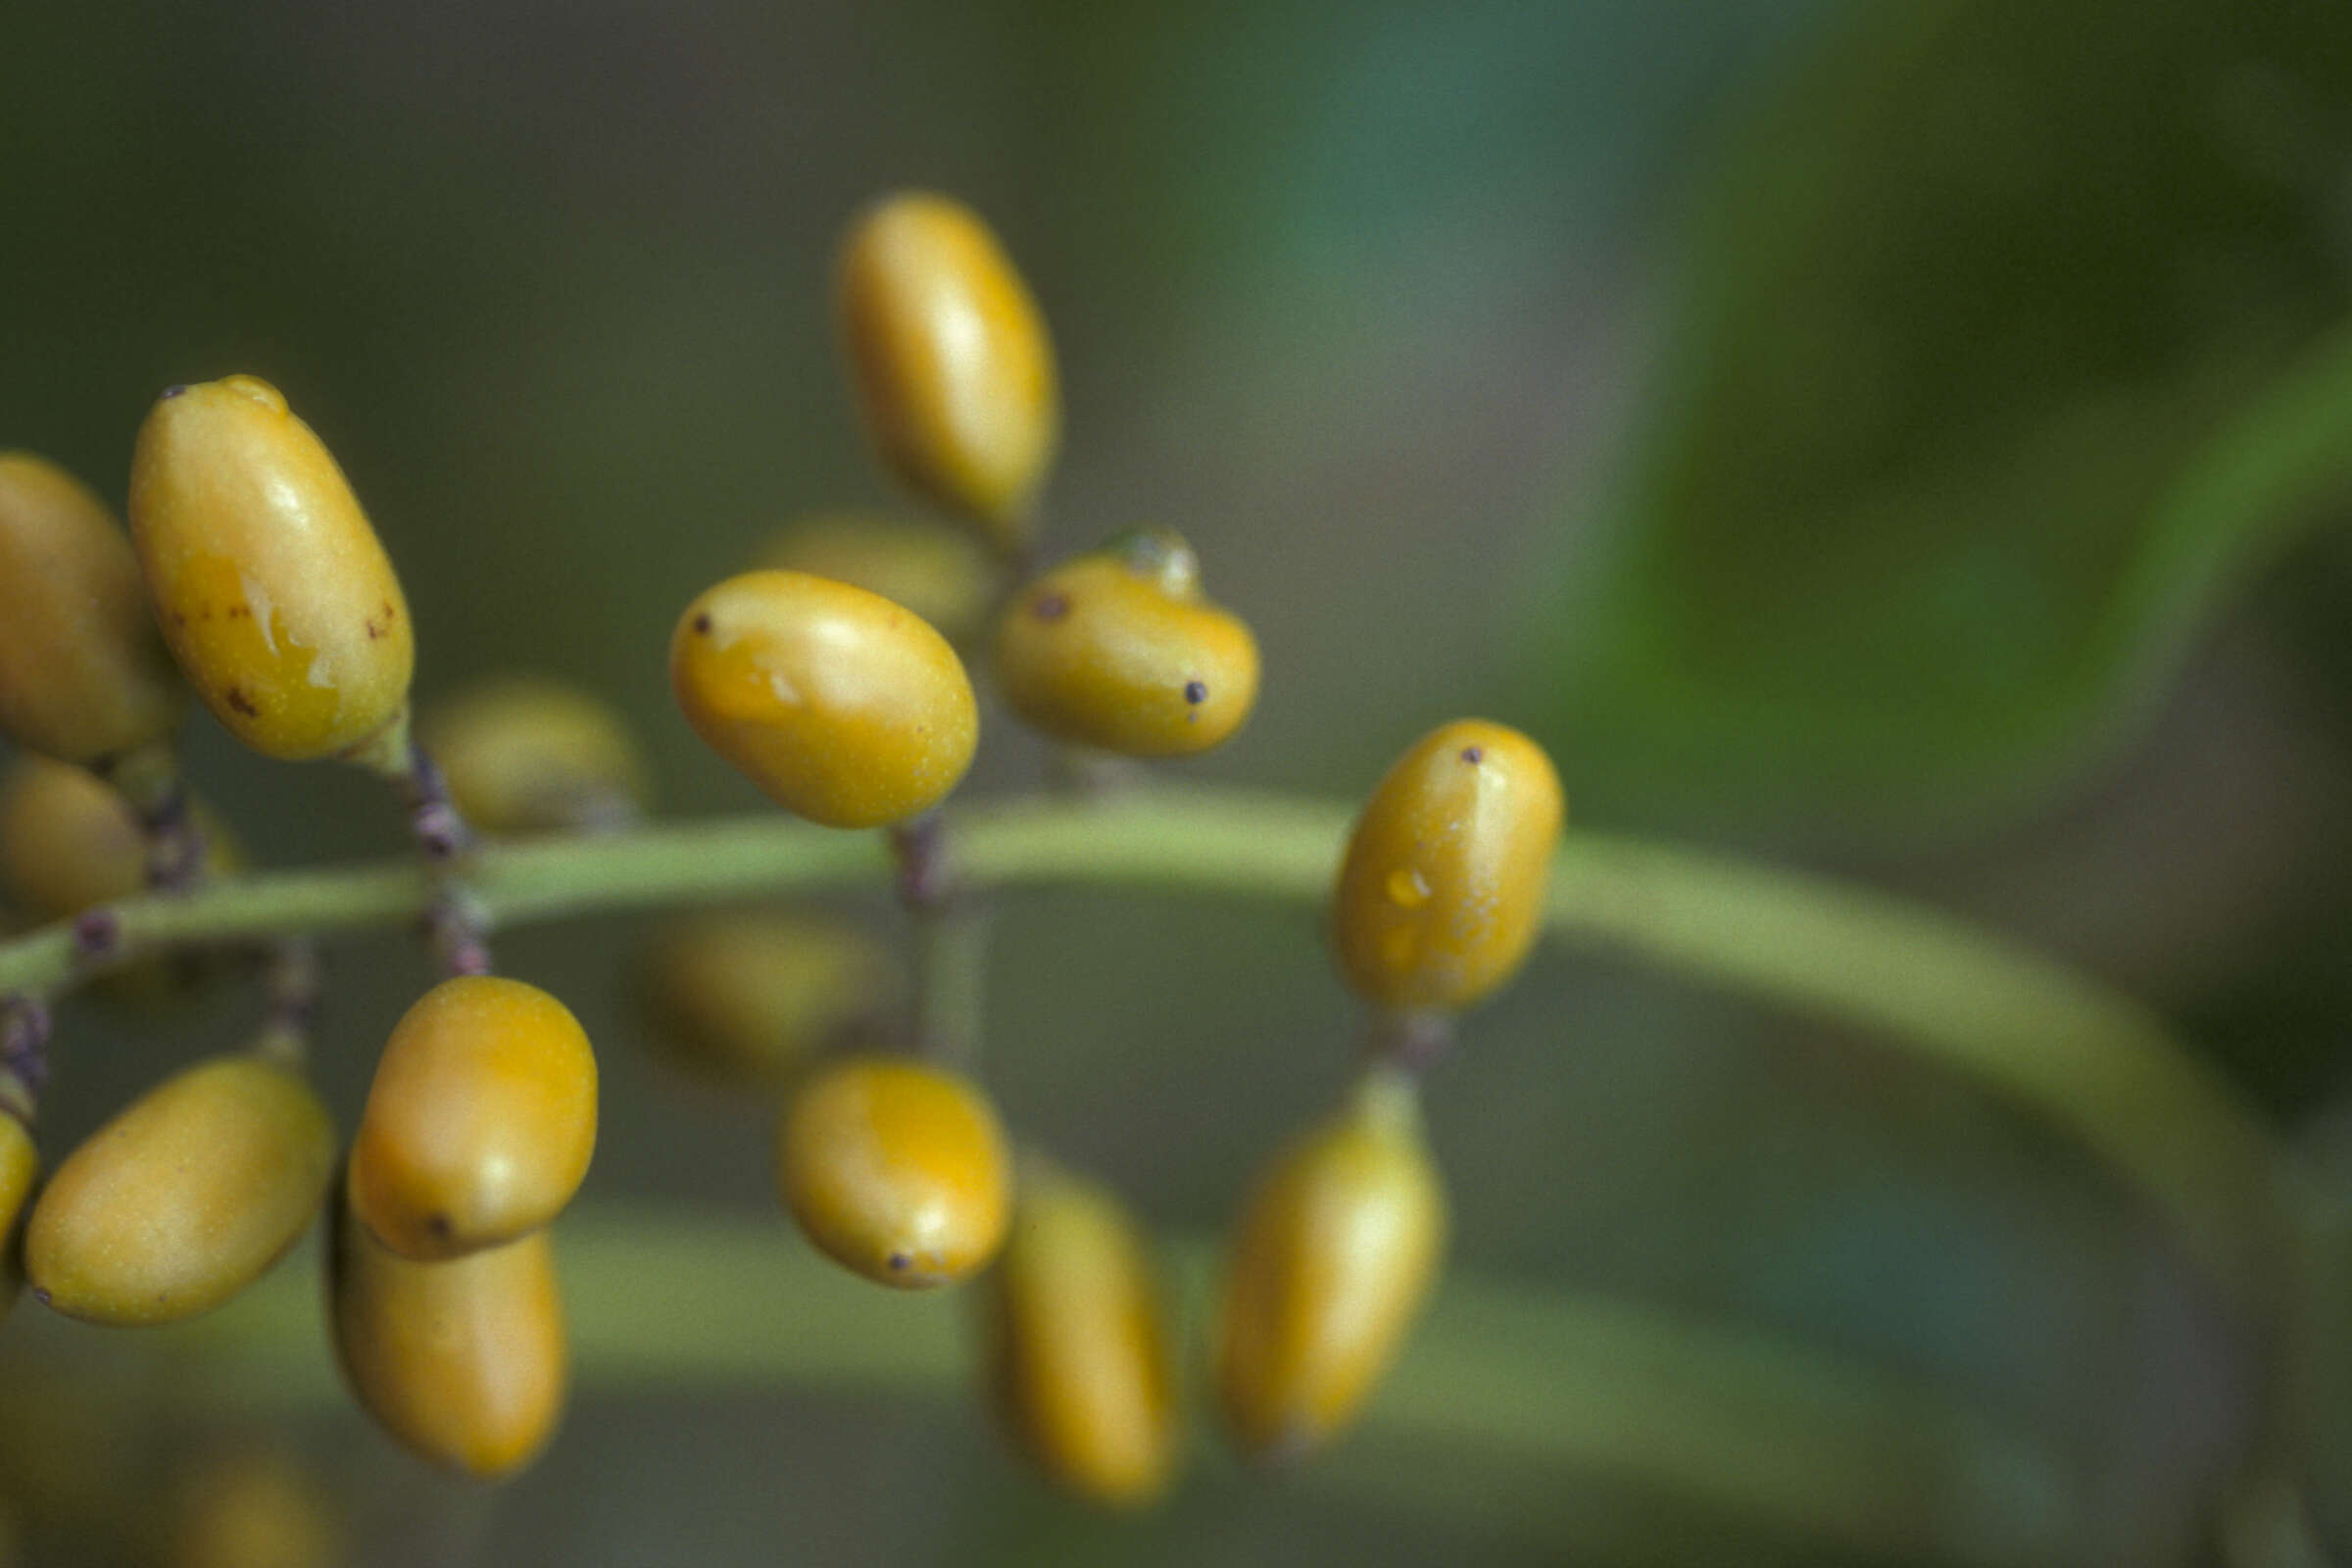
{"points": [[1526, 1387], [2095, 1065]]}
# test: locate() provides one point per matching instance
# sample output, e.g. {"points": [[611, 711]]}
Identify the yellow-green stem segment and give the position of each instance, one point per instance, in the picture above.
{"points": [[2094, 1064]]}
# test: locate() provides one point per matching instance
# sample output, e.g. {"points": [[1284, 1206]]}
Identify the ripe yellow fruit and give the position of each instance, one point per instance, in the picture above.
{"points": [[69, 842], [267, 581], [1329, 1266], [465, 1361], [1081, 1359], [1117, 650], [188, 1195], [847, 708], [20, 1168], [254, 1507], [1442, 892], [750, 998], [523, 754], [481, 1120], [897, 1170], [83, 676], [936, 571], [952, 365]]}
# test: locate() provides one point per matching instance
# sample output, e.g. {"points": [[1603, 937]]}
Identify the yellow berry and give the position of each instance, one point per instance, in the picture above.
{"points": [[937, 572], [953, 365], [844, 707], [1081, 1359], [254, 1507], [897, 1170], [1442, 892], [69, 842], [522, 754], [188, 1196], [83, 676], [267, 578], [20, 1168], [1329, 1266], [481, 1120], [1117, 650], [750, 998], [465, 1360]]}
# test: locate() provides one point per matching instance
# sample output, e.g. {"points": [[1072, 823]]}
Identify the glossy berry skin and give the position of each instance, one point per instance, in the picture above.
{"points": [[523, 754], [1082, 1360], [465, 1361], [1442, 892], [751, 998], [188, 1195], [67, 841], [952, 365], [847, 708], [20, 1168], [84, 675], [897, 1170], [266, 576], [1329, 1266], [937, 571], [481, 1120], [1118, 650]]}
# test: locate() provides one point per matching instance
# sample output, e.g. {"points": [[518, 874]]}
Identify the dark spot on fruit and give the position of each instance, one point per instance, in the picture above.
{"points": [[242, 702], [234, 611], [375, 631], [170, 392], [1049, 607], [1474, 755], [900, 1262], [1196, 692], [438, 1224], [702, 623], [389, 612]]}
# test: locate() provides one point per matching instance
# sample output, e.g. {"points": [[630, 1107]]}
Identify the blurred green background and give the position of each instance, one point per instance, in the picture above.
{"points": [[1906, 440]]}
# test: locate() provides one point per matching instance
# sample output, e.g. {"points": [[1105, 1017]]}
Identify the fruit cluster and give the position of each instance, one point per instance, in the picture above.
{"points": [[833, 676]]}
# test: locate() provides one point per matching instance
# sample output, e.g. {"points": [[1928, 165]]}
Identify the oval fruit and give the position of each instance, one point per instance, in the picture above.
{"points": [[846, 707], [465, 1361], [83, 676], [1083, 1361], [1117, 650], [188, 1195], [1442, 892], [750, 998], [267, 577], [952, 365], [1329, 1266], [481, 1120], [523, 754], [897, 1170]]}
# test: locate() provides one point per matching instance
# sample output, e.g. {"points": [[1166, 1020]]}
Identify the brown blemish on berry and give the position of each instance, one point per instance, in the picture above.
{"points": [[439, 1225], [1049, 607], [242, 702], [1473, 754], [702, 623], [1196, 692], [900, 1262], [375, 631]]}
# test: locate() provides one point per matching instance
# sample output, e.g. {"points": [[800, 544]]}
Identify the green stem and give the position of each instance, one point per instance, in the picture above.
{"points": [[1527, 1385], [2094, 1064]]}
